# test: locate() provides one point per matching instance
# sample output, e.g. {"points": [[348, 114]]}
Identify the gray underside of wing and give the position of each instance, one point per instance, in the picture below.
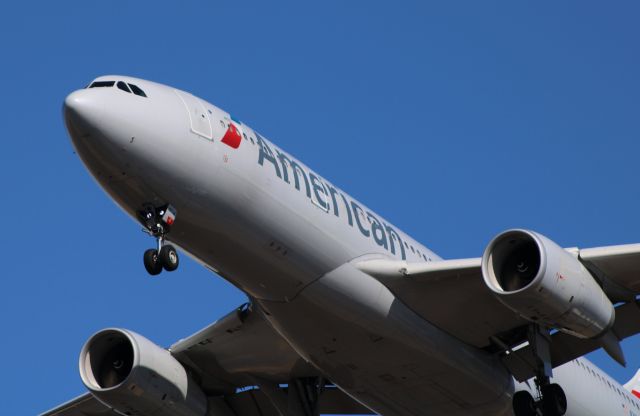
{"points": [[332, 402], [238, 348], [452, 295], [230, 357], [617, 267], [85, 405], [251, 402]]}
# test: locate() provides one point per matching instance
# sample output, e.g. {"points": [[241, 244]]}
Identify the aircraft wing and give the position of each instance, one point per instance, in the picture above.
{"points": [[85, 405], [617, 267], [452, 295], [247, 403], [242, 364]]}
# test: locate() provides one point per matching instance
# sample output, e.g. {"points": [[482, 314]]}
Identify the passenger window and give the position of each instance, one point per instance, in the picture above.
{"points": [[136, 90], [121, 85], [99, 84]]}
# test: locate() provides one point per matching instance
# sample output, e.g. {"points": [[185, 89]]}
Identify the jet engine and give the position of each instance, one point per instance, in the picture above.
{"points": [[136, 377], [546, 284]]}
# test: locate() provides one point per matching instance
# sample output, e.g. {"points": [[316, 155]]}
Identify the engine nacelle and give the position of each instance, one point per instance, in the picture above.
{"points": [[136, 377], [546, 284]]}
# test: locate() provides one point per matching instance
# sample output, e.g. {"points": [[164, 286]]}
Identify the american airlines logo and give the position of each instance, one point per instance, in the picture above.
{"points": [[232, 136], [330, 199]]}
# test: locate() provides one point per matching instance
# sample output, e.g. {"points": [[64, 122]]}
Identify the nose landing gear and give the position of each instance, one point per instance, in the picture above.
{"points": [[157, 223], [166, 258]]}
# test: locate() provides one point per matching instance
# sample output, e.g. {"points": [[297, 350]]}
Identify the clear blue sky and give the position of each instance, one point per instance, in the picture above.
{"points": [[454, 120]]}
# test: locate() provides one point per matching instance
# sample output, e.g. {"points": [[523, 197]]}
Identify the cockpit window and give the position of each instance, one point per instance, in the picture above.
{"points": [[137, 91], [123, 86], [98, 84]]}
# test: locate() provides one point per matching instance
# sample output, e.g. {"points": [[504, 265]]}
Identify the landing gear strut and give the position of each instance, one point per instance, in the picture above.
{"points": [[552, 400], [157, 222]]}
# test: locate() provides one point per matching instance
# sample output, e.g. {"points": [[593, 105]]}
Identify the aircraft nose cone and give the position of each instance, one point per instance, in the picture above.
{"points": [[74, 100], [82, 111]]}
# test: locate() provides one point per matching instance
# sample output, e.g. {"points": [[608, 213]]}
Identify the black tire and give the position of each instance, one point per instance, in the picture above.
{"points": [[554, 401], [169, 258], [152, 262], [523, 404]]}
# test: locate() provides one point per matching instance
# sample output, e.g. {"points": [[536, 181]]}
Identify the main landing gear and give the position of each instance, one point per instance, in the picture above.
{"points": [[552, 400], [157, 222]]}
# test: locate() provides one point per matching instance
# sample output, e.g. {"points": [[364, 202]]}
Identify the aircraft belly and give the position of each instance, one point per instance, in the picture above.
{"points": [[243, 239], [384, 355]]}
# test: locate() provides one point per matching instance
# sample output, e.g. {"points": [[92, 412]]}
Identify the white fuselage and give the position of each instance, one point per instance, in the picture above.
{"points": [[288, 238]]}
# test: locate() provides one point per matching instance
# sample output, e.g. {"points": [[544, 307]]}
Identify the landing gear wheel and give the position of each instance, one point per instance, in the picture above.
{"points": [[554, 401], [523, 404], [152, 262], [157, 222], [169, 258]]}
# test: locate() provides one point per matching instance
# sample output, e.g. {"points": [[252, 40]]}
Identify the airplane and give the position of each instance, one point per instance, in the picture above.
{"points": [[347, 314]]}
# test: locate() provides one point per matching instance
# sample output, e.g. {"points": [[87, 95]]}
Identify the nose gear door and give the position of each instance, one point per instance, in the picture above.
{"points": [[198, 116]]}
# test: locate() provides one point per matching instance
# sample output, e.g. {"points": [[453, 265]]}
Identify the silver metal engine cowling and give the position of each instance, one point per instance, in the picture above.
{"points": [[135, 376], [546, 284]]}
